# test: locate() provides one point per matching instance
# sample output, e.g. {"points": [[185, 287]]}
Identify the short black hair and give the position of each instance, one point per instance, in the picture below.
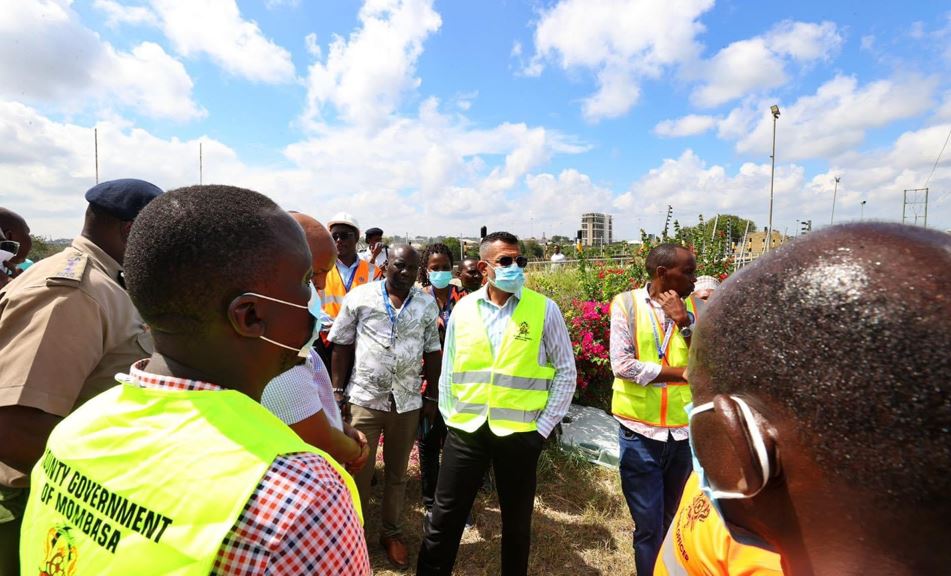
{"points": [[662, 255], [846, 332], [434, 248], [494, 237], [192, 250]]}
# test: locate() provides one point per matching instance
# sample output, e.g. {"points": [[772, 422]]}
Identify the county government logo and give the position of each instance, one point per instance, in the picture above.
{"points": [[61, 553], [523, 330]]}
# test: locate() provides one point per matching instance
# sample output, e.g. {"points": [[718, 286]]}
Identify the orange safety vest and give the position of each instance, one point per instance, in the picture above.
{"points": [[699, 543], [335, 290]]}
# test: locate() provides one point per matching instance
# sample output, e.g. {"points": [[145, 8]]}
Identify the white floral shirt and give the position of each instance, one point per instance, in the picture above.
{"points": [[388, 358]]}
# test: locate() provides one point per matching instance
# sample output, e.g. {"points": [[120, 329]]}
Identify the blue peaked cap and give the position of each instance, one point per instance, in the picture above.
{"points": [[123, 198]]}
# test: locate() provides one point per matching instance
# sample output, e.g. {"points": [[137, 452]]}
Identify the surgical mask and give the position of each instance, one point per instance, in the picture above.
{"points": [[509, 279], [440, 279], [303, 351], [739, 534], [316, 305], [6, 255]]}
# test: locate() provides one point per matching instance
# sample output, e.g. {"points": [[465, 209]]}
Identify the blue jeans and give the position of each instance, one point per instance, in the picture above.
{"points": [[653, 474]]}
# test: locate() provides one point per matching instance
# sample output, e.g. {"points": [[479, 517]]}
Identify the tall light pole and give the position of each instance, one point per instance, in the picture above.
{"points": [[862, 213], [774, 109], [835, 191]]}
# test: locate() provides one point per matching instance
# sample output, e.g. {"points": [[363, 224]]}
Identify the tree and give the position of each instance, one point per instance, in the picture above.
{"points": [[44, 247], [532, 248]]}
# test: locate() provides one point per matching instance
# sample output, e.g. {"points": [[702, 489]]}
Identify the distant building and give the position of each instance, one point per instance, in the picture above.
{"points": [[753, 245], [596, 229]]}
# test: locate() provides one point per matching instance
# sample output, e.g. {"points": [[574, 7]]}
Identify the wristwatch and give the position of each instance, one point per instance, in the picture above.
{"points": [[688, 330]]}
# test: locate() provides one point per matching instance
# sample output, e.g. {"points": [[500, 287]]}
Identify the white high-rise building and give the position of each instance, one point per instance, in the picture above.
{"points": [[596, 229]]}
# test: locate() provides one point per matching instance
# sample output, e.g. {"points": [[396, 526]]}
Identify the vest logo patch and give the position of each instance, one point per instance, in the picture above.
{"points": [[523, 332], [61, 553]]}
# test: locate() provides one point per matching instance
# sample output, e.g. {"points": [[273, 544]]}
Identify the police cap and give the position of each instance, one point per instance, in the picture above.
{"points": [[122, 198]]}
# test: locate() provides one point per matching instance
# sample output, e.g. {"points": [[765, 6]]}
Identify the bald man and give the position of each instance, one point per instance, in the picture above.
{"points": [[821, 417], [303, 396]]}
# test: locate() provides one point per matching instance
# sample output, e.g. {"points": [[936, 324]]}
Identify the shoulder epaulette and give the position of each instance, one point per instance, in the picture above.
{"points": [[72, 270]]}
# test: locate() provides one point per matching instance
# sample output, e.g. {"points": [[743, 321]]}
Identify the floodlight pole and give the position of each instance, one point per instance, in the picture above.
{"points": [[772, 174], [835, 190]]}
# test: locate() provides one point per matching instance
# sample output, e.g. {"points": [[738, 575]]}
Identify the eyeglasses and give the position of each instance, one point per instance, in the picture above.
{"points": [[343, 236], [506, 261], [11, 246]]}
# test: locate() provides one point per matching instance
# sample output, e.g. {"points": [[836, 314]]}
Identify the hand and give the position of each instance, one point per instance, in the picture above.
{"points": [[429, 410], [375, 251], [674, 307], [360, 438]]}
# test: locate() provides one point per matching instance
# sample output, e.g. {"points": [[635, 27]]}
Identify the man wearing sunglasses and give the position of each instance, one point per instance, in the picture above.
{"points": [[507, 379], [14, 229], [349, 273], [820, 424], [67, 326]]}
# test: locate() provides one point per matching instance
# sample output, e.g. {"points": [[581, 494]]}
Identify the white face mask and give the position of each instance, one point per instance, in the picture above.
{"points": [[303, 351], [5, 255]]}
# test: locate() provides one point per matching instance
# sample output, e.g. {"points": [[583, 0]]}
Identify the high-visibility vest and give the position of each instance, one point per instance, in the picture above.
{"points": [[146, 481], [663, 406], [699, 543], [335, 289], [509, 390]]}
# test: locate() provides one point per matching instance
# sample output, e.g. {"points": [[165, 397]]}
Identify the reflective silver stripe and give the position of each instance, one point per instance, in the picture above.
{"points": [[671, 566], [477, 377], [468, 408], [513, 415], [520, 383], [328, 299]]}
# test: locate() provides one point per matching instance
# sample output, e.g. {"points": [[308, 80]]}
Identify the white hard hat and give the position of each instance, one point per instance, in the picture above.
{"points": [[344, 218]]}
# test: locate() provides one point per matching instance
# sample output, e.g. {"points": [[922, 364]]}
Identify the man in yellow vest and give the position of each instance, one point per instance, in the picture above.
{"points": [[508, 376], [179, 469], [821, 422], [350, 272], [650, 339]]}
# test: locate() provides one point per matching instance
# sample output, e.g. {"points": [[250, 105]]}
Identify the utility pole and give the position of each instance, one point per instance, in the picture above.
{"points": [[835, 190], [862, 212], [95, 136], [774, 109]]}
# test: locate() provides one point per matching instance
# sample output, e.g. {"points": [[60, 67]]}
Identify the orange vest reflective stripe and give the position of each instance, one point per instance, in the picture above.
{"points": [[699, 543], [336, 289]]}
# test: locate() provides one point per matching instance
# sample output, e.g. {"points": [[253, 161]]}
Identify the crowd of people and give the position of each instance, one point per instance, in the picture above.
{"points": [[201, 381]]}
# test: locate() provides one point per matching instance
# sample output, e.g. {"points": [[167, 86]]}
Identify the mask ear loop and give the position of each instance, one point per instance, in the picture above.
{"points": [[759, 445]]}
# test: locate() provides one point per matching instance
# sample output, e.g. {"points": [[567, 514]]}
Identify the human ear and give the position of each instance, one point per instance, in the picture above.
{"points": [[245, 317], [738, 462]]}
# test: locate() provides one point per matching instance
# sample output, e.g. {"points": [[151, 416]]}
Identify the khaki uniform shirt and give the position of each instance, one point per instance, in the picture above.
{"points": [[66, 328]]}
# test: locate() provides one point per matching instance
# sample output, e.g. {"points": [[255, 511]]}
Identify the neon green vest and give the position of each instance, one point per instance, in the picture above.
{"points": [[143, 481], [509, 390], [662, 406]]}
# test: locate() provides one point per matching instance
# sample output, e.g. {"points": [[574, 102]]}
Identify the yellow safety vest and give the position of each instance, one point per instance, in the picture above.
{"points": [[699, 543], [335, 289], [662, 406], [146, 481], [509, 390]]}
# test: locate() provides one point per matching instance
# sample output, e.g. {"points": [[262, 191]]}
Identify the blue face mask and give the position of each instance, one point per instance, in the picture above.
{"points": [[509, 279], [440, 279], [739, 534], [316, 305]]}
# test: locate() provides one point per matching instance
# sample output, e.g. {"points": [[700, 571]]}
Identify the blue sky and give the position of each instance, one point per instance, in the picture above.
{"points": [[437, 117]]}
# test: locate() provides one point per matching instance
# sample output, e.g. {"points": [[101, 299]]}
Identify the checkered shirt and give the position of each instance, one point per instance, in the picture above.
{"points": [[299, 520]]}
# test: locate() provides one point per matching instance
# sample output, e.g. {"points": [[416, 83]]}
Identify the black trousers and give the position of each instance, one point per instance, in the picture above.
{"points": [[466, 457], [432, 436]]}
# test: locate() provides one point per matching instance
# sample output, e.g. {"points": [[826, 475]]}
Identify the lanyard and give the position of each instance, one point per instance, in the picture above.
{"points": [[668, 329], [353, 274], [446, 310], [391, 312]]}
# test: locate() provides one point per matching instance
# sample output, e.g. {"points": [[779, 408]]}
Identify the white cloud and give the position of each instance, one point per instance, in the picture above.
{"points": [[689, 125], [216, 28], [273, 4], [312, 47], [556, 203], [620, 41], [365, 76], [759, 63], [117, 14], [835, 118], [35, 36]]}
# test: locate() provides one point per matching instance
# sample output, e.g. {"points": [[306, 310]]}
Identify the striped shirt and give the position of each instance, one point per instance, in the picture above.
{"points": [[555, 350], [299, 520]]}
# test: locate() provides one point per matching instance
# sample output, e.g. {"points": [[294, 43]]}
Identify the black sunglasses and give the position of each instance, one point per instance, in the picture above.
{"points": [[506, 261], [11, 246], [343, 235]]}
